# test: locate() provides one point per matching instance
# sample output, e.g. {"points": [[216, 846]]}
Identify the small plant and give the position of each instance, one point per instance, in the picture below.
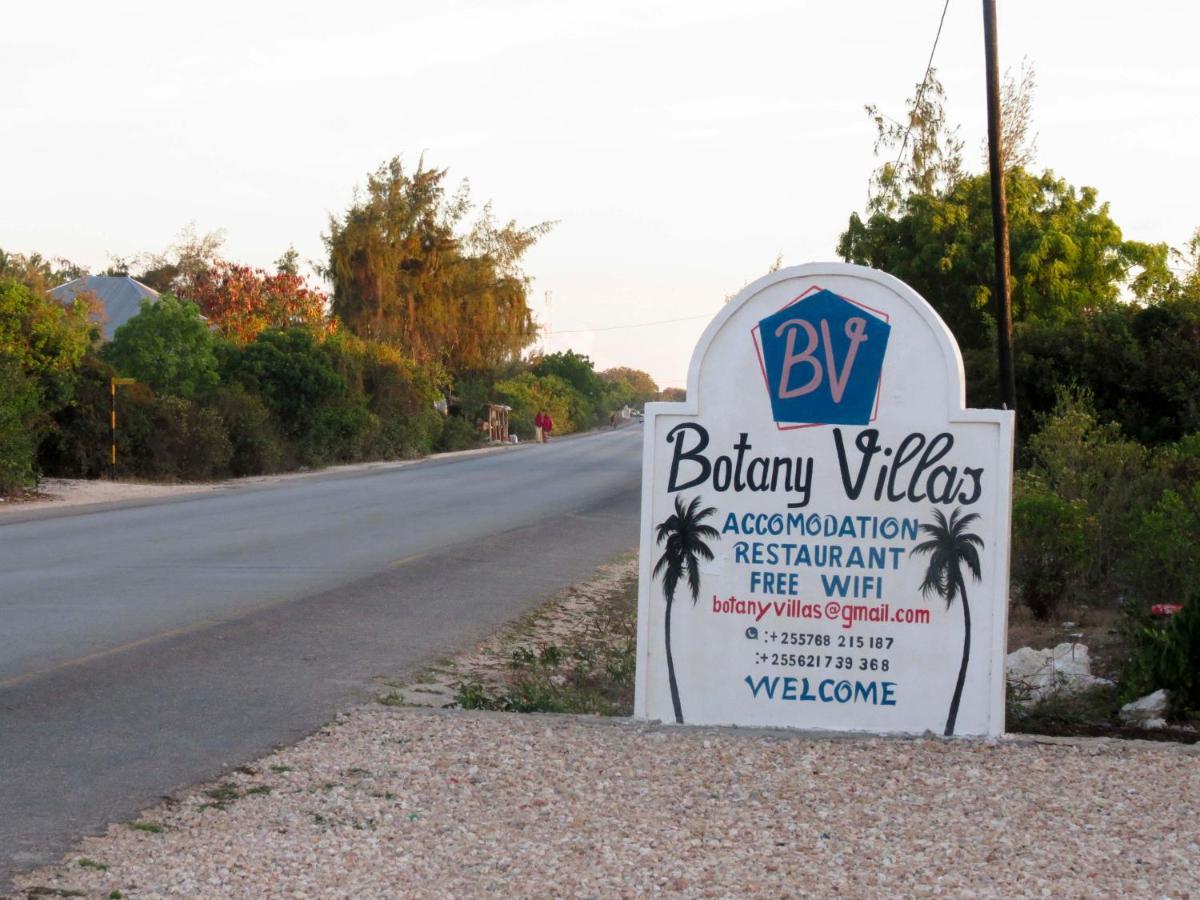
{"points": [[522, 658], [148, 827], [1167, 656], [115, 895], [395, 698], [279, 770], [222, 795], [475, 696], [86, 863], [259, 789], [550, 656]]}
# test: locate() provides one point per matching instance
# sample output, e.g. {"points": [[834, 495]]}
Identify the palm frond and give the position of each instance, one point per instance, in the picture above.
{"points": [[970, 556], [958, 525], [693, 569]]}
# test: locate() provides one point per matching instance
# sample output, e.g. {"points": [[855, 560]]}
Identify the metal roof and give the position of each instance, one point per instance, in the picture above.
{"points": [[121, 296]]}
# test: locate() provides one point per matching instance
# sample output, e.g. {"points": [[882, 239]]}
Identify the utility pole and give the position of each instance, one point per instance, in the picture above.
{"points": [[1008, 381]]}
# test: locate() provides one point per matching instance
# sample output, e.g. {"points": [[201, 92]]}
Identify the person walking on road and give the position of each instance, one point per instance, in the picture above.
{"points": [[539, 434], [547, 427]]}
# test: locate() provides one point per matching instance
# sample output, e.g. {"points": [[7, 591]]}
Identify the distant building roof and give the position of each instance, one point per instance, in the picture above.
{"points": [[121, 296]]}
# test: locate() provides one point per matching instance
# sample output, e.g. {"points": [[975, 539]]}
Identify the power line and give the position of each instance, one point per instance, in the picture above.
{"points": [[924, 84], [708, 315]]}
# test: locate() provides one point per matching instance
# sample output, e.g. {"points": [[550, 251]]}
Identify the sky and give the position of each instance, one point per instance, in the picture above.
{"points": [[679, 146]]}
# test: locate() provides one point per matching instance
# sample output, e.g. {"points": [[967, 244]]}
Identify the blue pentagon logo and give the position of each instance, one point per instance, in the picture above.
{"points": [[822, 357]]}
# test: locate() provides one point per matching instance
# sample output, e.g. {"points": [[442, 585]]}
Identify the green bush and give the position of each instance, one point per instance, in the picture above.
{"points": [[1167, 657], [256, 446], [528, 394], [1164, 548], [458, 434], [312, 407], [167, 346], [79, 442], [1051, 546], [398, 395], [19, 413], [171, 437], [1080, 459]]}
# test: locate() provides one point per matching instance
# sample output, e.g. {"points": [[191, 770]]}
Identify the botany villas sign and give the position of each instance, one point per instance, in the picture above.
{"points": [[824, 525]]}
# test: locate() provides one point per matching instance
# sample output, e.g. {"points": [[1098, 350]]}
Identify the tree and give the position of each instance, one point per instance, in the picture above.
{"points": [[674, 394], [576, 370], [950, 547], [684, 537], [37, 272], [45, 340], [1018, 142], [19, 427], [630, 387], [529, 394], [929, 158], [289, 262], [179, 266], [167, 346], [1068, 255], [404, 274], [310, 401], [241, 302], [929, 224]]}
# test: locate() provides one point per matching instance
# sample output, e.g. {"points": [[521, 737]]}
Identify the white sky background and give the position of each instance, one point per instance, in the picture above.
{"points": [[681, 145]]}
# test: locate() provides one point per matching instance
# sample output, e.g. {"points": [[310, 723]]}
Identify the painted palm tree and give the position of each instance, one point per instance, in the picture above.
{"points": [[684, 534], [950, 547]]}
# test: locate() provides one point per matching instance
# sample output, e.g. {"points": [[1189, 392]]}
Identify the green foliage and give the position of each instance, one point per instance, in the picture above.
{"points": [[1168, 657], [36, 272], [1081, 459], [1164, 548], [576, 370], [458, 434], [405, 275], [19, 413], [77, 446], [1140, 364], [168, 347], [255, 445], [1068, 256], [593, 396], [399, 396], [171, 437], [629, 387], [528, 394], [41, 343], [930, 157], [1051, 546], [45, 338], [310, 402]]}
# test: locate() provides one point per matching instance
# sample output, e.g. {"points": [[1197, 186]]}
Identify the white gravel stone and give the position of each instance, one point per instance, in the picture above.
{"points": [[394, 802]]}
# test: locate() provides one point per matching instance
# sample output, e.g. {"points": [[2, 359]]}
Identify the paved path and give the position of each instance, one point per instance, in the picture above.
{"points": [[143, 649]]}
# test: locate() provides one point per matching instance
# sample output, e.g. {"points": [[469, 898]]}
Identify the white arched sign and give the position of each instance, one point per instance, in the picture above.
{"points": [[825, 526]]}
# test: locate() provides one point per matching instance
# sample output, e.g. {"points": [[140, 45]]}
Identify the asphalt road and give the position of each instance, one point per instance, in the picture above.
{"points": [[145, 648]]}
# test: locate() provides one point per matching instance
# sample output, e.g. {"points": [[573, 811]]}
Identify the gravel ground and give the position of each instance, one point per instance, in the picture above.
{"points": [[403, 802]]}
